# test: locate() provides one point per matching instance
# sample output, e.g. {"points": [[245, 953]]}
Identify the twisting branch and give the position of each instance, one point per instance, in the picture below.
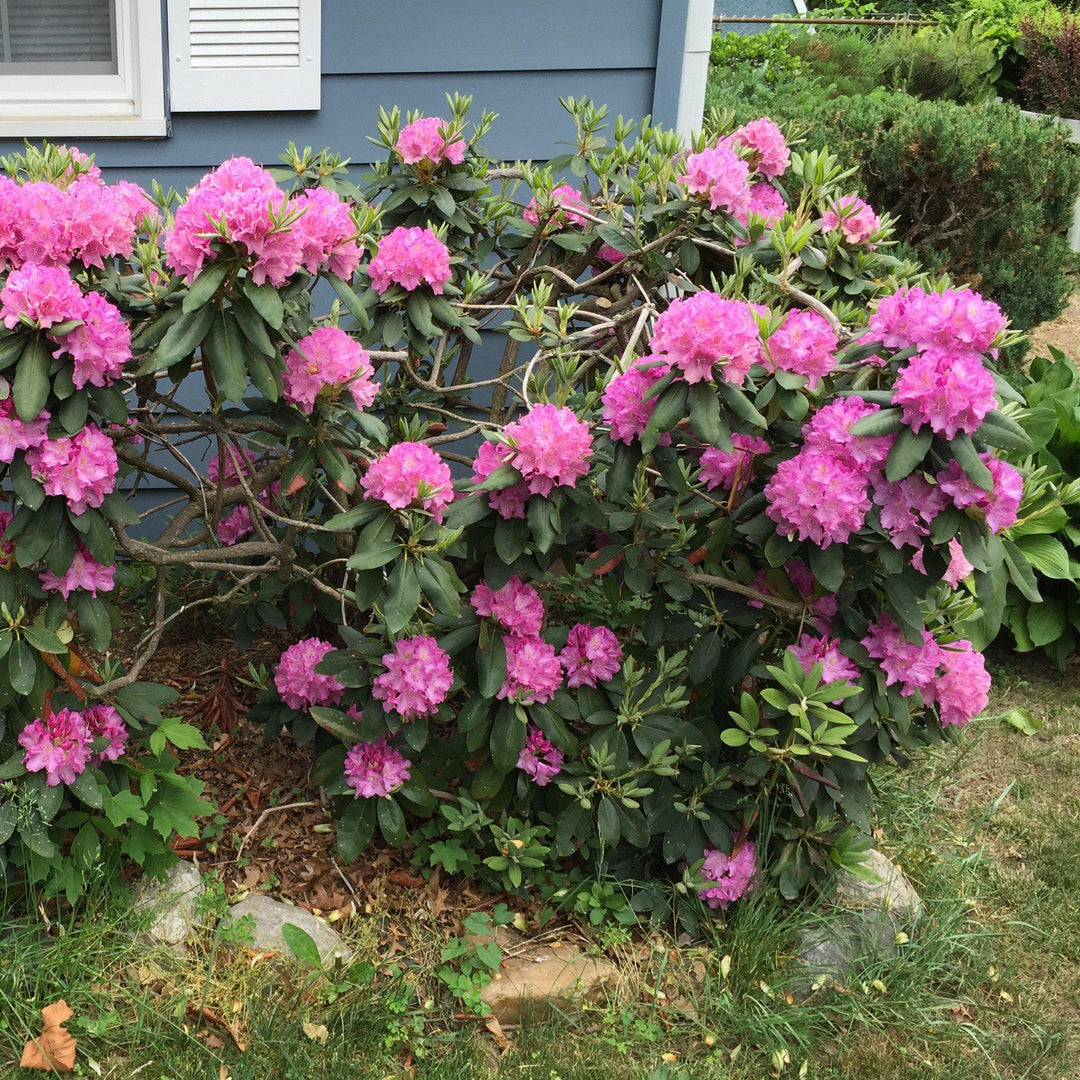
{"points": [[788, 607]]}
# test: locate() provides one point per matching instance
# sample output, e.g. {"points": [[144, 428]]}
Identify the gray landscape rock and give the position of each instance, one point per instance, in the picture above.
{"points": [[172, 903], [269, 916], [863, 923]]}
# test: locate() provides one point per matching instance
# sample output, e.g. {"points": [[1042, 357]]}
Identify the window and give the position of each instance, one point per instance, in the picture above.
{"points": [[72, 68]]}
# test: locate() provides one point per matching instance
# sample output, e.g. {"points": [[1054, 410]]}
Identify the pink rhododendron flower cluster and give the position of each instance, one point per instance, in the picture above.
{"points": [[830, 429], [297, 681], [704, 330], [43, 295], [101, 346], [236, 525], [908, 508], [533, 671], [539, 760], [962, 690], [327, 232], [908, 663], [592, 654], [956, 319], [769, 154], [82, 468], [85, 573], [421, 141], [732, 875], [410, 257], [410, 474], [50, 224], [853, 217], [805, 344], [565, 200], [516, 607], [326, 362], [375, 770], [16, 434], [959, 568], [510, 501], [818, 495], [836, 667], [998, 506], [721, 176], [764, 202], [721, 469], [627, 410], [59, 744], [949, 390], [104, 722], [416, 680], [550, 447]]}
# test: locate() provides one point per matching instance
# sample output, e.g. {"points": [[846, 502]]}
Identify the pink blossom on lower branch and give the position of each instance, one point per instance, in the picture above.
{"points": [[911, 664], [627, 408], [375, 770], [104, 722], [410, 257], [719, 175], [719, 468], [82, 468], [325, 363], [550, 447], [950, 390], [769, 154], [830, 429], [539, 760], [565, 200], [297, 681], [100, 347], [592, 654], [16, 434], [516, 607], [732, 875], [962, 690], [410, 474], [84, 573], [416, 680], [998, 506], [420, 141], [804, 344], [58, 744], [533, 671], [836, 667], [510, 501], [818, 496], [854, 218]]}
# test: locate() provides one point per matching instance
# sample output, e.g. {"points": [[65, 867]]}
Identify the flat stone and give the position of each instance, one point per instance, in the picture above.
{"points": [[269, 916], [173, 903], [865, 920], [551, 979]]}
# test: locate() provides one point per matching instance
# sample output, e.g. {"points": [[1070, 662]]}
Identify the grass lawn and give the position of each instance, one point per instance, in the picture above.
{"points": [[988, 986]]}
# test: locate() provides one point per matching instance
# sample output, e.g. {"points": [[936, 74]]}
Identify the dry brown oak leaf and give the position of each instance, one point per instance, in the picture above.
{"points": [[54, 1049]]}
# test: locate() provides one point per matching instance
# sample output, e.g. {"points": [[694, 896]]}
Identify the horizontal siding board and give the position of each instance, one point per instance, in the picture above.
{"points": [[531, 121], [478, 35]]}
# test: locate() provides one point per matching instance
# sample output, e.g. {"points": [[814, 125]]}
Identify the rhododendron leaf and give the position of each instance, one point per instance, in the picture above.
{"points": [[827, 565], [205, 286], [402, 597], [540, 513], [30, 493], [904, 605], [85, 788], [907, 453], [94, 620], [30, 390], [117, 508], [355, 516], [670, 408], [266, 300], [72, 414], [491, 663], [43, 639], [620, 476], [37, 536], [22, 667], [437, 582], [252, 326], [96, 535], [882, 422], [416, 307], [392, 330], [11, 348], [608, 823], [8, 817], [264, 376], [391, 822], [511, 536], [109, 402], [963, 449], [222, 350], [466, 511], [502, 477], [705, 415], [1004, 433], [328, 766], [507, 739], [355, 829], [14, 766], [180, 340]]}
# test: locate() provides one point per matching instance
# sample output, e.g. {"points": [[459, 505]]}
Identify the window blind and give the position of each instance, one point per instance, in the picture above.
{"points": [[58, 33]]}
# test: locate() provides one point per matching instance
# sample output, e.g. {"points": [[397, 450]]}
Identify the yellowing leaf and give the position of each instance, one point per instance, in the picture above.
{"points": [[316, 1032], [54, 1049]]}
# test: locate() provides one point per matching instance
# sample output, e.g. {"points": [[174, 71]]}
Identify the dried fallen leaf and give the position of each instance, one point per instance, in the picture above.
{"points": [[318, 1032], [54, 1049], [496, 1032]]}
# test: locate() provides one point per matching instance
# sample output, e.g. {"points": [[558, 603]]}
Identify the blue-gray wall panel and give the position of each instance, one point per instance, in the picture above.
{"points": [[480, 35], [784, 8]]}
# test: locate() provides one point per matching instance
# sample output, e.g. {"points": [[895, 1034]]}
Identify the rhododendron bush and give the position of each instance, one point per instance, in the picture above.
{"points": [[618, 508]]}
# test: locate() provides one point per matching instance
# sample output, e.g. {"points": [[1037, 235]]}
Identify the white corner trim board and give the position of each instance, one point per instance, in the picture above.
{"points": [[695, 68]]}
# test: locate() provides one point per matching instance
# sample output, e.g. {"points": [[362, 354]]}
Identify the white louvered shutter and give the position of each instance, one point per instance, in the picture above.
{"points": [[244, 55]]}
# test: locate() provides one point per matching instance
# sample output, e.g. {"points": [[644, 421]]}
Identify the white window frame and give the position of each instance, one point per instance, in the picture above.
{"points": [[129, 103]]}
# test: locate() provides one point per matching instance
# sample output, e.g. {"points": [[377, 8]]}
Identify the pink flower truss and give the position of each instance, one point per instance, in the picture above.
{"points": [[44, 295], [836, 667], [297, 681], [237, 459], [103, 721], [539, 760], [805, 344], [101, 346], [824, 608], [59, 744], [82, 468], [956, 319], [410, 257], [912, 665], [565, 200], [533, 671], [999, 506], [731, 875], [592, 654], [719, 175], [243, 200], [627, 410], [85, 573], [375, 770], [704, 330], [830, 429], [327, 233], [853, 217], [962, 690], [420, 141], [325, 362], [769, 154], [608, 254], [550, 447], [516, 607], [818, 496], [416, 680], [16, 435], [959, 569], [949, 390], [410, 474], [908, 508], [235, 526], [510, 501], [765, 203], [719, 469]]}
